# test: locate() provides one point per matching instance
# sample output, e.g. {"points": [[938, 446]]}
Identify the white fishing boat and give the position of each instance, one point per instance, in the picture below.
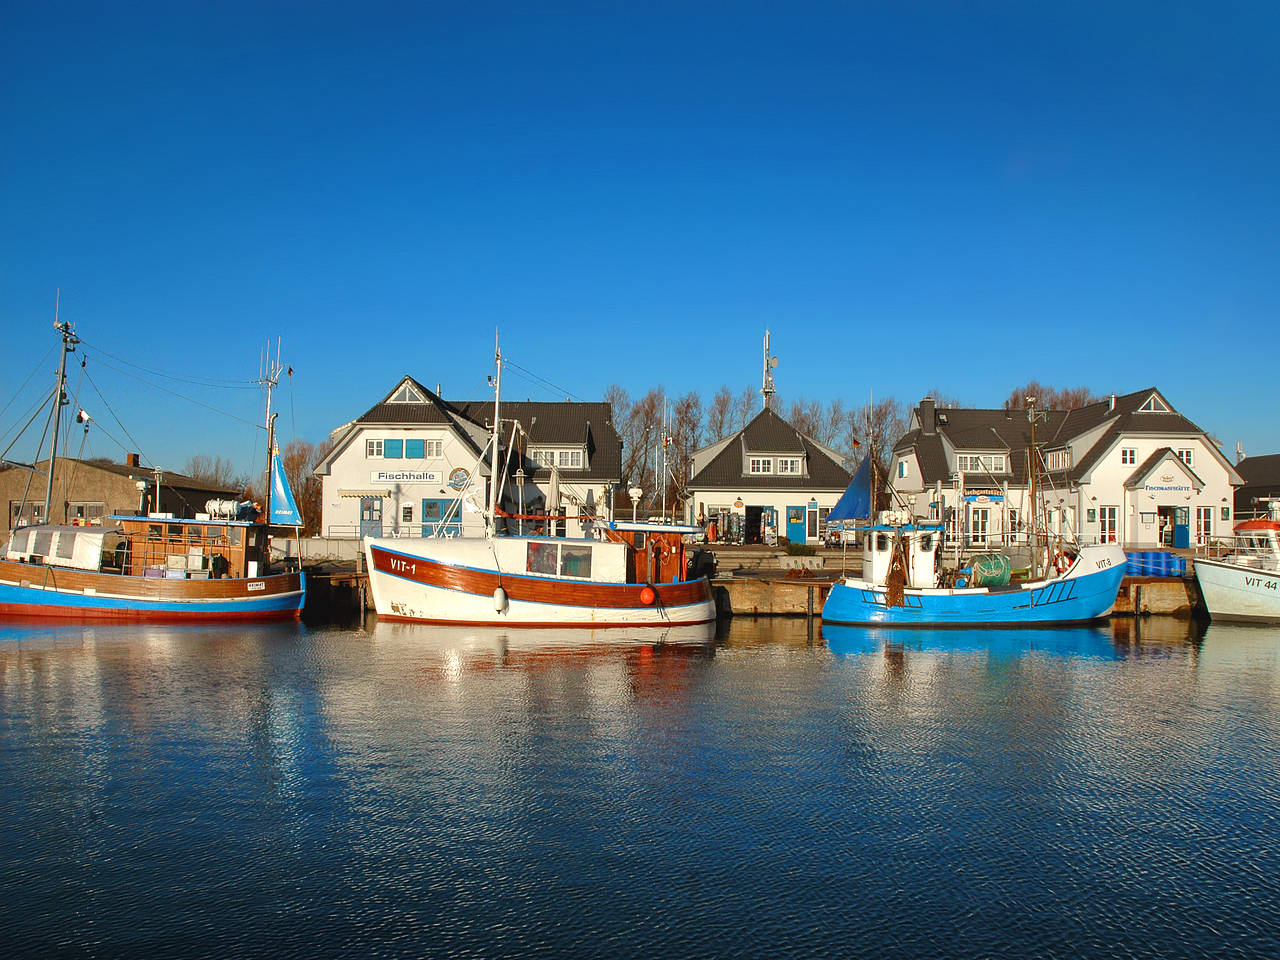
{"points": [[621, 575], [1240, 580]]}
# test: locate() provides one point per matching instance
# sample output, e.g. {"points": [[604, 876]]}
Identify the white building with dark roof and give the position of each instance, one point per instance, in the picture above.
{"points": [[1129, 469], [765, 482], [414, 464]]}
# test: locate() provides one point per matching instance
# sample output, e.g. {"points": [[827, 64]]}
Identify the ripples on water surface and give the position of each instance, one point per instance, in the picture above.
{"points": [[406, 791]]}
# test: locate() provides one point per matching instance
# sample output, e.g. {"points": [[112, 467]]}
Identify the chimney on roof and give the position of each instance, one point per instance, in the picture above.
{"points": [[132, 461], [1111, 402], [928, 416]]}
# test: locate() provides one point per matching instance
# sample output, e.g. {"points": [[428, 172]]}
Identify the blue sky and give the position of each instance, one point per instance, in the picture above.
{"points": [[911, 196]]}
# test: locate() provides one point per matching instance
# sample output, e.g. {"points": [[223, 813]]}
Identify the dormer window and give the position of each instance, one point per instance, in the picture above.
{"points": [[981, 463], [1153, 405], [563, 459], [1058, 459], [790, 466], [406, 394], [760, 465]]}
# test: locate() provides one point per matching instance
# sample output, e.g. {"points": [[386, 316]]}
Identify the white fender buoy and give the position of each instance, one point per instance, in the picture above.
{"points": [[500, 600]]}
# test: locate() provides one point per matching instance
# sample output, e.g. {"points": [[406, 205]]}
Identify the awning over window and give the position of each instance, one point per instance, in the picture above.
{"points": [[364, 493]]}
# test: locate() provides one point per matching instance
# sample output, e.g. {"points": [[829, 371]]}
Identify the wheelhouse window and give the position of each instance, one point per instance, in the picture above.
{"points": [[406, 513], [761, 465], [541, 558], [575, 561]]}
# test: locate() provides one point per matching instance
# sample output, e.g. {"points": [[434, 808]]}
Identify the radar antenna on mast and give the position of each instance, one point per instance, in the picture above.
{"points": [[770, 364]]}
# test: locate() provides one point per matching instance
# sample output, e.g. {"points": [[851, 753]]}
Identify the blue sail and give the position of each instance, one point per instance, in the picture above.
{"points": [[855, 502], [284, 509]]}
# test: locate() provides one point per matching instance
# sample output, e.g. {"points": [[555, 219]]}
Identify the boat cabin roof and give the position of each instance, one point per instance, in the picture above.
{"points": [[188, 521], [645, 526]]}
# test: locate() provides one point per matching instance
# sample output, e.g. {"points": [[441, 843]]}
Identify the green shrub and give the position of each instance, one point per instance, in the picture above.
{"points": [[800, 550]]}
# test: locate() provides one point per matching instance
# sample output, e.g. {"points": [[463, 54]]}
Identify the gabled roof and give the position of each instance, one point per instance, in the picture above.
{"points": [[586, 425], [1162, 456], [431, 409], [169, 478], [990, 431], [768, 433]]}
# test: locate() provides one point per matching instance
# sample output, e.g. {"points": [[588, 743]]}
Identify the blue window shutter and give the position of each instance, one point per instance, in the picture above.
{"points": [[413, 449], [393, 449]]}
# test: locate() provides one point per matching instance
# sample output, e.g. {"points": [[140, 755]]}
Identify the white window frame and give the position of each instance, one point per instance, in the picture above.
{"points": [[406, 513], [789, 466], [433, 449], [762, 466], [1185, 454], [1128, 456], [569, 459], [373, 449]]}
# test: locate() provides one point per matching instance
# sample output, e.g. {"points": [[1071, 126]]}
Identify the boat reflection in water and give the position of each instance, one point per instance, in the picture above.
{"points": [[1091, 642], [427, 640]]}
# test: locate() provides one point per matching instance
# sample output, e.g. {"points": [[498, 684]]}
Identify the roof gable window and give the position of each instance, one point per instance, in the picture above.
{"points": [[790, 466], [1153, 405], [407, 394], [760, 465]]}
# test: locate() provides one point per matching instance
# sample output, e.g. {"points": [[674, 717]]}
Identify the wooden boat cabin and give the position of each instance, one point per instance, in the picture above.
{"points": [[161, 547]]}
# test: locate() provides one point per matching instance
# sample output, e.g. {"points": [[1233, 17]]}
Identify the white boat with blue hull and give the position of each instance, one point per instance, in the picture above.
{"points": [[904, 585]]}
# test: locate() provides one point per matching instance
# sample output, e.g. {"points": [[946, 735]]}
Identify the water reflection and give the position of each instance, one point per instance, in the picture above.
{"points": [[254, 791], [1085, 642]]}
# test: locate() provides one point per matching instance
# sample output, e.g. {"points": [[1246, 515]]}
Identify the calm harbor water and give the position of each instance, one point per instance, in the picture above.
{"points": [[403, 791]]}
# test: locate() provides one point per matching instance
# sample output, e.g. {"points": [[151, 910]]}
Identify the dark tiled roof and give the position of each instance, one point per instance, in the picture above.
{"points": [[772, 435], [561, 423], [435, 410], [769, 433], [169, 478], [993, 430], [1260, 470]]}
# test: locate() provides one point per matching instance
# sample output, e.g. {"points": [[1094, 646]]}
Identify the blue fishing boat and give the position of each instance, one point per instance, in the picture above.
{"points": [[904, 583]]}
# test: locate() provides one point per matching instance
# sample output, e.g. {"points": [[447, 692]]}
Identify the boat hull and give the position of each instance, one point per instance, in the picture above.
{"points": [[1087, 591], [409, 586], [1237, 592], [33, 592]]}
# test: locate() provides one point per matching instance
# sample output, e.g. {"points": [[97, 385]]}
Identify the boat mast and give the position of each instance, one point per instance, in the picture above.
{"points": [[493, 465], [1031, 487], [69, 341], [270, 377]]}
